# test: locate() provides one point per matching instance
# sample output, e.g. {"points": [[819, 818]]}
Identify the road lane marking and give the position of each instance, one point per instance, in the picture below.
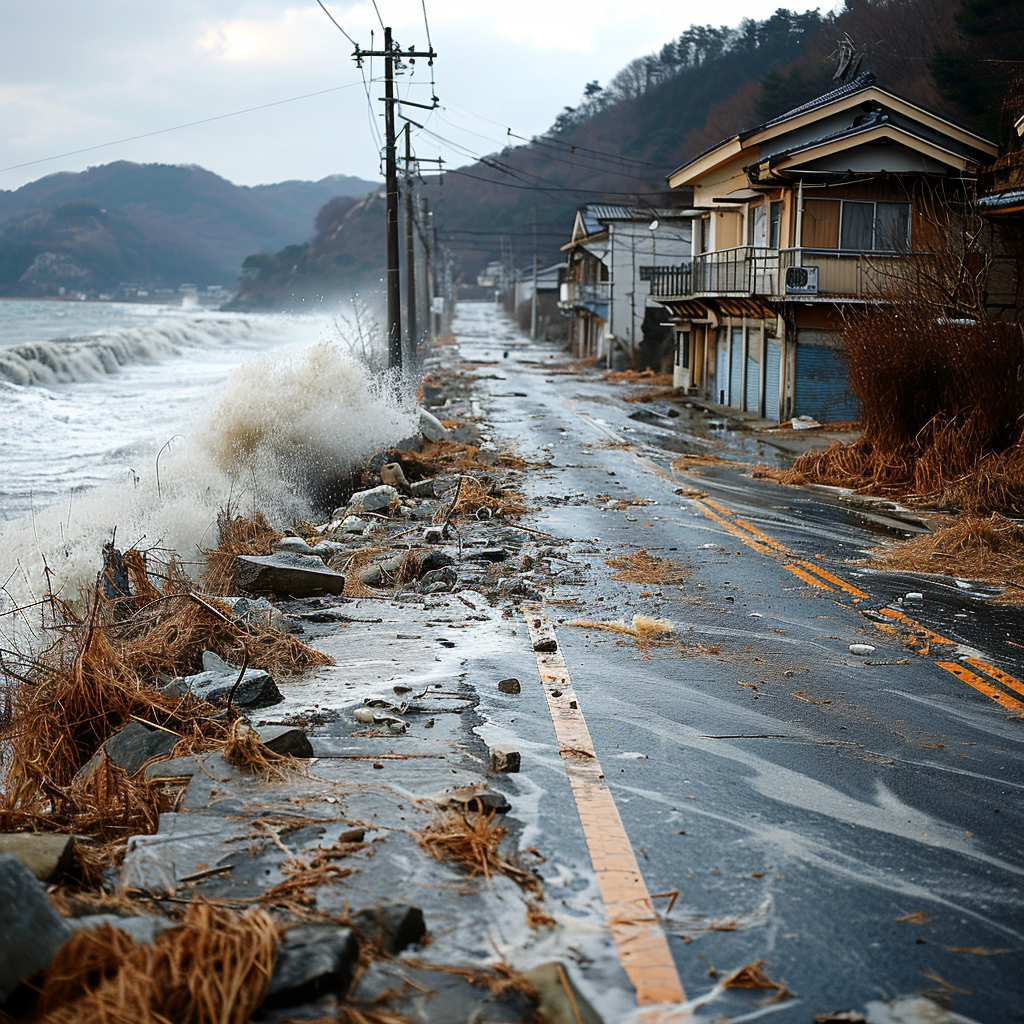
{"points": [[719, 507], [808, 578], [831, 578], [968, 677], [892, 613], [763, 537], [634, 923], [734, 530], [1010, 682]]}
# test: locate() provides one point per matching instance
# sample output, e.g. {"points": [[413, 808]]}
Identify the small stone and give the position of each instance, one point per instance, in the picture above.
{"points": [[293, 544], [509, 686], [393, 475], [505, 759], [376, 499], [31, 931], [546, 646], [312, 960], [286, 739], [422, 488], [46, 854], [364, 715], [488, 555], [477, 799], [431, 427], [862, 650], [377, 764]]}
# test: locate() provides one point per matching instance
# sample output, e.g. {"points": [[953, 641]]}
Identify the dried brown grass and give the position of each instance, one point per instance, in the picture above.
{"points": [[97, 675], [641, 567], [981, 548], [212, 968], [646, 631], [473, 843], [472, 497], [752, 976], [659, 380], [943, 411]]}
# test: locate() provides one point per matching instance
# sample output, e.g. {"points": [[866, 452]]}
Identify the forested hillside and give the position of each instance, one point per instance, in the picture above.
{"points": [[618, 143], [153, 224]]}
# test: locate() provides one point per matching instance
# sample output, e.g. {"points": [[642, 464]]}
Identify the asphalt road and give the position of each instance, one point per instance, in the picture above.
{"points": [[854, 821]]}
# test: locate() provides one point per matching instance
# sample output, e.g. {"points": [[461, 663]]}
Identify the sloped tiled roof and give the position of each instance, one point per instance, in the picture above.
{"points": [[863, 81]]}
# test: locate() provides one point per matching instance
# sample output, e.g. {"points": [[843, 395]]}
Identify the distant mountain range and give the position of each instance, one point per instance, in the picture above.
{"points": [[155, 225]]}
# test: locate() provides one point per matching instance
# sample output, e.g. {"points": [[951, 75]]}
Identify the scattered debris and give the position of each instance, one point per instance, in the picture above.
{"points": [[641, 567], [752, 976]]}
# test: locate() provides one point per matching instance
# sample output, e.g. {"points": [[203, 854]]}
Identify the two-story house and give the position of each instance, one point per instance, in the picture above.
{"points": [[607, 294], [795, 220]]}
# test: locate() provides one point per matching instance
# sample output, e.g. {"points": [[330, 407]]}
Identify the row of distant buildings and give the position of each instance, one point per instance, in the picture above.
{"points": [[741, 286]]}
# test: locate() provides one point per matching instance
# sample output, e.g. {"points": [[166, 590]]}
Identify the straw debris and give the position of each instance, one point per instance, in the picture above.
{"points": [[641, 567], [213, 968], [646, 631], [752, 976]]}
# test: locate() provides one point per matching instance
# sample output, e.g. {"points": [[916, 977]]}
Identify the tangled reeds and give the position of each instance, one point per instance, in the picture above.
{"points": [[641, 567], [237, 535], [212, 968]]}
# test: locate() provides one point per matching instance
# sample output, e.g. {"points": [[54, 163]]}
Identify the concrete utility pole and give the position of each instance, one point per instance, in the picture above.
{"points": [[392, 54]]}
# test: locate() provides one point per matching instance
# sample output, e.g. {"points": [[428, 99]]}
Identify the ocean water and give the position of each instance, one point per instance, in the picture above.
{"points": [[147, 420]]}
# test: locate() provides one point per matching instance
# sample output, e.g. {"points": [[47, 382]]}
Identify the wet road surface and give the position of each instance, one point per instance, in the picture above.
{"points": [[853, 820]]}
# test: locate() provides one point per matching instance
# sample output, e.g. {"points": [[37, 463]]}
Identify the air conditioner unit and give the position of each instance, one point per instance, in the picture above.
{"points": [[801, 280]]}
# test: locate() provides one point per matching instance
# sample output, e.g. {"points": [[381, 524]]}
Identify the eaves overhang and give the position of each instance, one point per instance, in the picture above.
{"points": [[689, 173]]}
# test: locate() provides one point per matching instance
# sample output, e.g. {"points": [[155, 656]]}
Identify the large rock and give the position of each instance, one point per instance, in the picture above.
{"points": [[313, 959], [561, 1002], [46, 854], [175, 768], [129, 749], [31, 931], [287, 573], [257, 688]]}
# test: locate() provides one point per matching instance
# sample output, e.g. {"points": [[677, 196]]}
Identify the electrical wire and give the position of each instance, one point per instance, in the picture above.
{"points": [[336, 25], [556, 188], [379, 18], [177, 127]]}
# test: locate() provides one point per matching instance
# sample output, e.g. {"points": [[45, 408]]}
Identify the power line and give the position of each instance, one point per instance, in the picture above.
{"points": [[177, 127], [336, 25], [379, 18], [556, 188]]}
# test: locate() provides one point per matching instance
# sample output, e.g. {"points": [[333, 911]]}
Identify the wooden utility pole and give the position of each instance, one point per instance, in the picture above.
{"points": [[392, 54]]}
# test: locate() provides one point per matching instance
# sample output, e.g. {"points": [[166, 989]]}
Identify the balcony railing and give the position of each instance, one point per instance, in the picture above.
{"points": [[753, 271]]}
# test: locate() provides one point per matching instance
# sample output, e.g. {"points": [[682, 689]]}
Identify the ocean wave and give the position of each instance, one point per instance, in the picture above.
{"points": [[93, 356]]}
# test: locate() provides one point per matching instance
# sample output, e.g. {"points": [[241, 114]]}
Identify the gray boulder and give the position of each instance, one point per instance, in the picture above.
{"points": [[287, 573], [391, 928], [313, 959], [31, 931], [257, 688], [142, 929], [286, 739], [130, 748]]}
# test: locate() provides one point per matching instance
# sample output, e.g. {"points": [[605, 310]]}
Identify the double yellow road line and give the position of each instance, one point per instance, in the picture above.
{"points": [[996, 686]]}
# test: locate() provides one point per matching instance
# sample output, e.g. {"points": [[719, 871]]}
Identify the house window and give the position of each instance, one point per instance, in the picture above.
{"points": [[856, 225], [775, 225], [758, 236]]}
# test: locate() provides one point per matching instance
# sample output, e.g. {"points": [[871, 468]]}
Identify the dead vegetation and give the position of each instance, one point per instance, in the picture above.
{"points": [[646, 631], [752, 976], [212, 968], [99, 673], [658, 380], [973, 547], [641, 567], [238, 535]]}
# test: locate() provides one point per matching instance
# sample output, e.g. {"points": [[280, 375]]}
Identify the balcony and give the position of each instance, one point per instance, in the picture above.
{"points": [[592, 296], [749, 271]]}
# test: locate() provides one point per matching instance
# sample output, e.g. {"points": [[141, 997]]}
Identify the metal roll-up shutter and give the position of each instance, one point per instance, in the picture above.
{"points": [[736, 368], [753, 389], [722, 371], [821, 388], [772, 370]]}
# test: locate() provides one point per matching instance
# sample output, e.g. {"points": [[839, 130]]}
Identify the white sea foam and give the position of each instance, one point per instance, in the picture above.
{"points": [[280, 425], [92, 356]]}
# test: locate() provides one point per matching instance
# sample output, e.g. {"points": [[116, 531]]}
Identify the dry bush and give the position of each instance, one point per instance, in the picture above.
{"points": [[640, 567], [473, 498], [980, 548], [212, 968], [941, 384]]}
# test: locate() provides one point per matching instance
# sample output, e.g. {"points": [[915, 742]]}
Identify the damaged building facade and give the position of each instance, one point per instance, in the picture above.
{"points": [[795, 221], [612, 256]]}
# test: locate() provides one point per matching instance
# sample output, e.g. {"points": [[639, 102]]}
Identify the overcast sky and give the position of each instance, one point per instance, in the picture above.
{"points": [[74, 75]]}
